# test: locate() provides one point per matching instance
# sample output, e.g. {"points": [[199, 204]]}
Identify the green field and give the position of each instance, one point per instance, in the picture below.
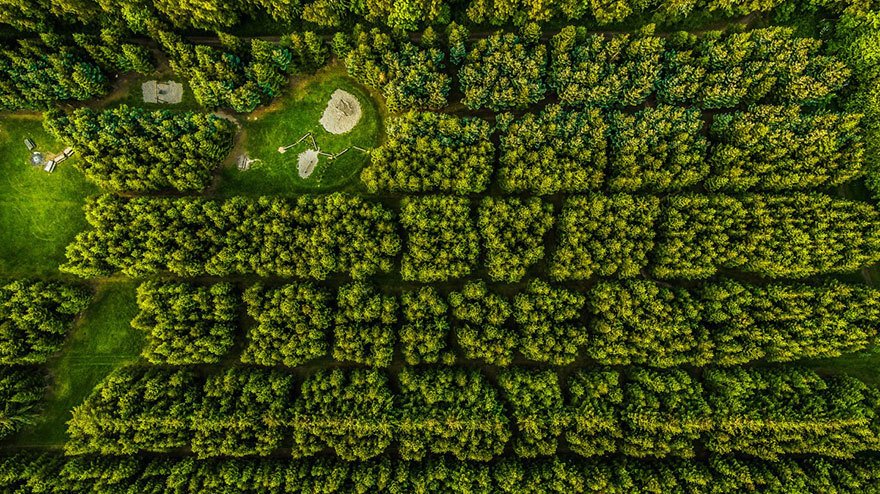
{"points": [[101, 341], [40, 212], [286, 120]]}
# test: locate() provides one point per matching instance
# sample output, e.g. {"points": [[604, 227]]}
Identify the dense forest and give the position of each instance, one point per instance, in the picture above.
{"points": [[624, 246]]}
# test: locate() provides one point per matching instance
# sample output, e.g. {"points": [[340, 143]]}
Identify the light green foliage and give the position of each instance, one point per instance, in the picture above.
{"points": [[293, 324], [442, 243], [450, 411], [432, 152], [554, 151], [410, 76], [191, 236], [512, 232], [503, 71], [549, 319], [348, 411], [535, 397], [598, 70], [21, 391], [130, 149], [482, 332], [364, 331], [35, 317], [135, 409], [778, 148], [641, 322], [723, 71], [424, 335], [798, 235], [657, 149], [604, 235], [186, 323], [241, 412]]}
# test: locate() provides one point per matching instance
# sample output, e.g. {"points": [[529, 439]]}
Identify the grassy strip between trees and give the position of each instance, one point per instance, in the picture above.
{"points": [[101, 341]]}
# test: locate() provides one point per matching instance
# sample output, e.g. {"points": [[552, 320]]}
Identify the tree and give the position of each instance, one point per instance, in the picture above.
{"points": [[482, 332], [512, 232], [364, 331], [186, 323], [442, 243]]}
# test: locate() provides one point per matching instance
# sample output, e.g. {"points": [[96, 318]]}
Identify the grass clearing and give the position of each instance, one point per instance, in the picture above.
{"points": [[287, 119], [40, 212], [101, 341]]}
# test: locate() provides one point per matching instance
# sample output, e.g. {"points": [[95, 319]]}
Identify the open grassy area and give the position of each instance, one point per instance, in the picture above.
{"points": [[101, 341], [289, 118], [40, 212]]}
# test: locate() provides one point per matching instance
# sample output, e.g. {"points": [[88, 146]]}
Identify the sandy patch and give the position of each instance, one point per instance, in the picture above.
{"points": [[343, 112], [169, 92], [306, 162]]}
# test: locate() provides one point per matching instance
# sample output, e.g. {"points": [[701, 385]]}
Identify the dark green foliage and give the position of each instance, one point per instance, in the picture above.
{"points": [[771, 64], [606, 71], [28, 472], [698, 232], [432, 152], [604, 235], [482, 332], [646, 323], [410, 76], [243, 411], [365, 321], [424, 335], [293, 324], [243, 79], [348, 411], [442, 243], [767, 413], [35, 317], [549, 320], [21, 391], [186, 323], [594, 425], [554, 151], [657, 149], [535, 399], [115, 55], [504, 71], [798, 235], [512, 232], [135, 409], [36, 76], [779, 148], [450, 411], [131, 149], [307, 236]]}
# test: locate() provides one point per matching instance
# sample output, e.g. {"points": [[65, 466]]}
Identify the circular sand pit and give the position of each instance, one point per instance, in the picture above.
{"points": [[342, 113], [306, 162]]}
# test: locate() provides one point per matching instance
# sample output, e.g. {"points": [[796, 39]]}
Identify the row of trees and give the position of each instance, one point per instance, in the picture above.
{"points": [[55, 474], [358, 414], [408, 15], [241, 75], [773, 148], [186, 323], [21, 391], [410, 75], [35, 317], [131, 149], [432, 152], [688, 236], [633, 322], [695, 236], [307, 236], [712, 70]]}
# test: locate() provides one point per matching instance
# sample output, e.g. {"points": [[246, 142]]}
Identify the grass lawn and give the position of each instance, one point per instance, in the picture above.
{"points": [[286, 120], [101, 341], [40, 212]]}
